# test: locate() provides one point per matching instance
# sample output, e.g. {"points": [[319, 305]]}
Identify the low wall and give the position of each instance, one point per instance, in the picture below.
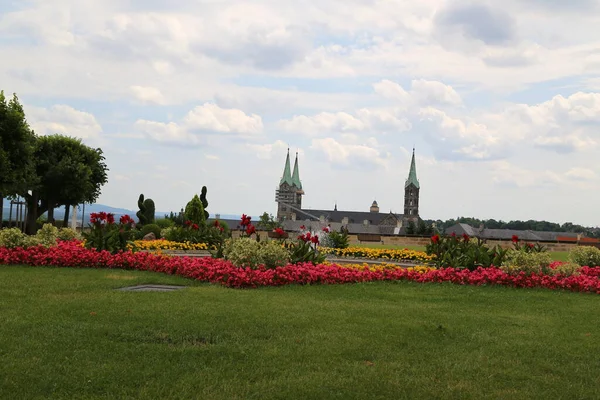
{"points": [[395, 240]]}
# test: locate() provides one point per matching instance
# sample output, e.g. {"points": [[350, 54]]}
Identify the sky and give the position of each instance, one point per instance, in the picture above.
{"points": [[501, 100]]}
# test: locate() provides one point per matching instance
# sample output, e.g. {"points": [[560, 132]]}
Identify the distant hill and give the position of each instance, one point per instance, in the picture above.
{"points": [[59, 213]]}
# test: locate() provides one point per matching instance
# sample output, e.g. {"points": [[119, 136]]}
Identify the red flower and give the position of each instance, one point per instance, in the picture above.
{"points": [[245, 220], [279, 232], [126, 219], [515, 239], [465, 237], [315, 239], [435, 238], [216, 224], [530, 245], [110, 218], [188, 223], [453, 234], [195, 227], [250, 229], [302, 227], [326, 229]]}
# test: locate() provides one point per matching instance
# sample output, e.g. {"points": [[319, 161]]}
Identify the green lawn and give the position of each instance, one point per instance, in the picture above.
{"points": [[67, 334]]}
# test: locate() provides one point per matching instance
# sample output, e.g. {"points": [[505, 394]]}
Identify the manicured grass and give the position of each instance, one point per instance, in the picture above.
{"points": [[559, 255], [67, 334]]}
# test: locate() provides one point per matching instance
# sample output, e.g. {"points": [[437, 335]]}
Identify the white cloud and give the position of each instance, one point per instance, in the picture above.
{"points": [[202, 121], [268, 151], [391, 90], [64, 120], [353, 156], [147, 94], [212, 118], [434, 92]]}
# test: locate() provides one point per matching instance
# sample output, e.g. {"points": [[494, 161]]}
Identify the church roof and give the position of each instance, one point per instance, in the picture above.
{"points": [[296, 174], [412, 174], [354, 217], [287, 175]]}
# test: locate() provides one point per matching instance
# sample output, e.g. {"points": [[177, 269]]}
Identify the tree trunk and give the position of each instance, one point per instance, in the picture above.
{"points": [[32, 213], [66, 218], [51, 211]]}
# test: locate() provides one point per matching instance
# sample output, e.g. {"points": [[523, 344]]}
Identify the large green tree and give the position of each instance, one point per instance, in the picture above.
{"points": [[17, 142], [68, 172]]}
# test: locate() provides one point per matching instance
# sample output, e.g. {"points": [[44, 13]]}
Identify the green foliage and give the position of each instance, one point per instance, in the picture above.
{"points": [[464, 252], [68, 173], [585, 255], [273, 254], [17, 146], [154, 228], [411, 228], [12, 238], [110, 237], [204, 202], [337, 240], [424, 228], [47, 235], [194, 211], [146, 211], [68, 234], [164, 223], [243, 252], [178, 219], [566, 269], [248, 253], [517, 261], [304, 252], [267, 222]]}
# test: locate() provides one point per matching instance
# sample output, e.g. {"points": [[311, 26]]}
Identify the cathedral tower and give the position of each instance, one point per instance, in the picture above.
{"points": [[411, 192], [289, 194]]}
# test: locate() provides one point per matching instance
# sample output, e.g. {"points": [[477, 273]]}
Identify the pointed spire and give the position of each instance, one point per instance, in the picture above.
{"points": [[287, 176], [412, 174], [296, 174]]}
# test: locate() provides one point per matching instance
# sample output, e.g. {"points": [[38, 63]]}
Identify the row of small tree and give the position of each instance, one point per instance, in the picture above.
{"points": [[47, 171]]}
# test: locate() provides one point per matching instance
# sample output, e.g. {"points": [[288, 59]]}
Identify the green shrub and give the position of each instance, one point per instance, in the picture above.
{"points": [[566, 269], [243, 252], [146, 211], [273, 254], [194, 211], [528, 262], [464, 252], [68, 234], [146, 229], [48, 235], [12, 238], [585, 255], [337, 240], [164, 223]]}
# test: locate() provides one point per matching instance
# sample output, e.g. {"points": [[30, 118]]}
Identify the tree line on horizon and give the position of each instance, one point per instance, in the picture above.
{"points": [[533, 225]]}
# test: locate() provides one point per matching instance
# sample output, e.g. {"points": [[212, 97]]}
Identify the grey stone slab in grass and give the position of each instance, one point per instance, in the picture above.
{"points": [[151, 288]]}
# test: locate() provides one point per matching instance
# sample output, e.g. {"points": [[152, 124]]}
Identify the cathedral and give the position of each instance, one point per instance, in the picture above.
{"points": [[291, 214]]}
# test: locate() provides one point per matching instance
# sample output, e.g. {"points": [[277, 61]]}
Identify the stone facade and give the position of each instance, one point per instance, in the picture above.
{"points": [[290, 211]]}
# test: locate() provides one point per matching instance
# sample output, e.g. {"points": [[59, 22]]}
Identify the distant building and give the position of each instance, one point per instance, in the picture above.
{"points": [[291, 214], [507, 234]]}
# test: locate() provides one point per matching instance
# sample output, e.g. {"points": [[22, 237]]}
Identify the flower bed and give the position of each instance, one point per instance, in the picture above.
{"points": [[163, 244], [206, 269], [381, 254]]}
